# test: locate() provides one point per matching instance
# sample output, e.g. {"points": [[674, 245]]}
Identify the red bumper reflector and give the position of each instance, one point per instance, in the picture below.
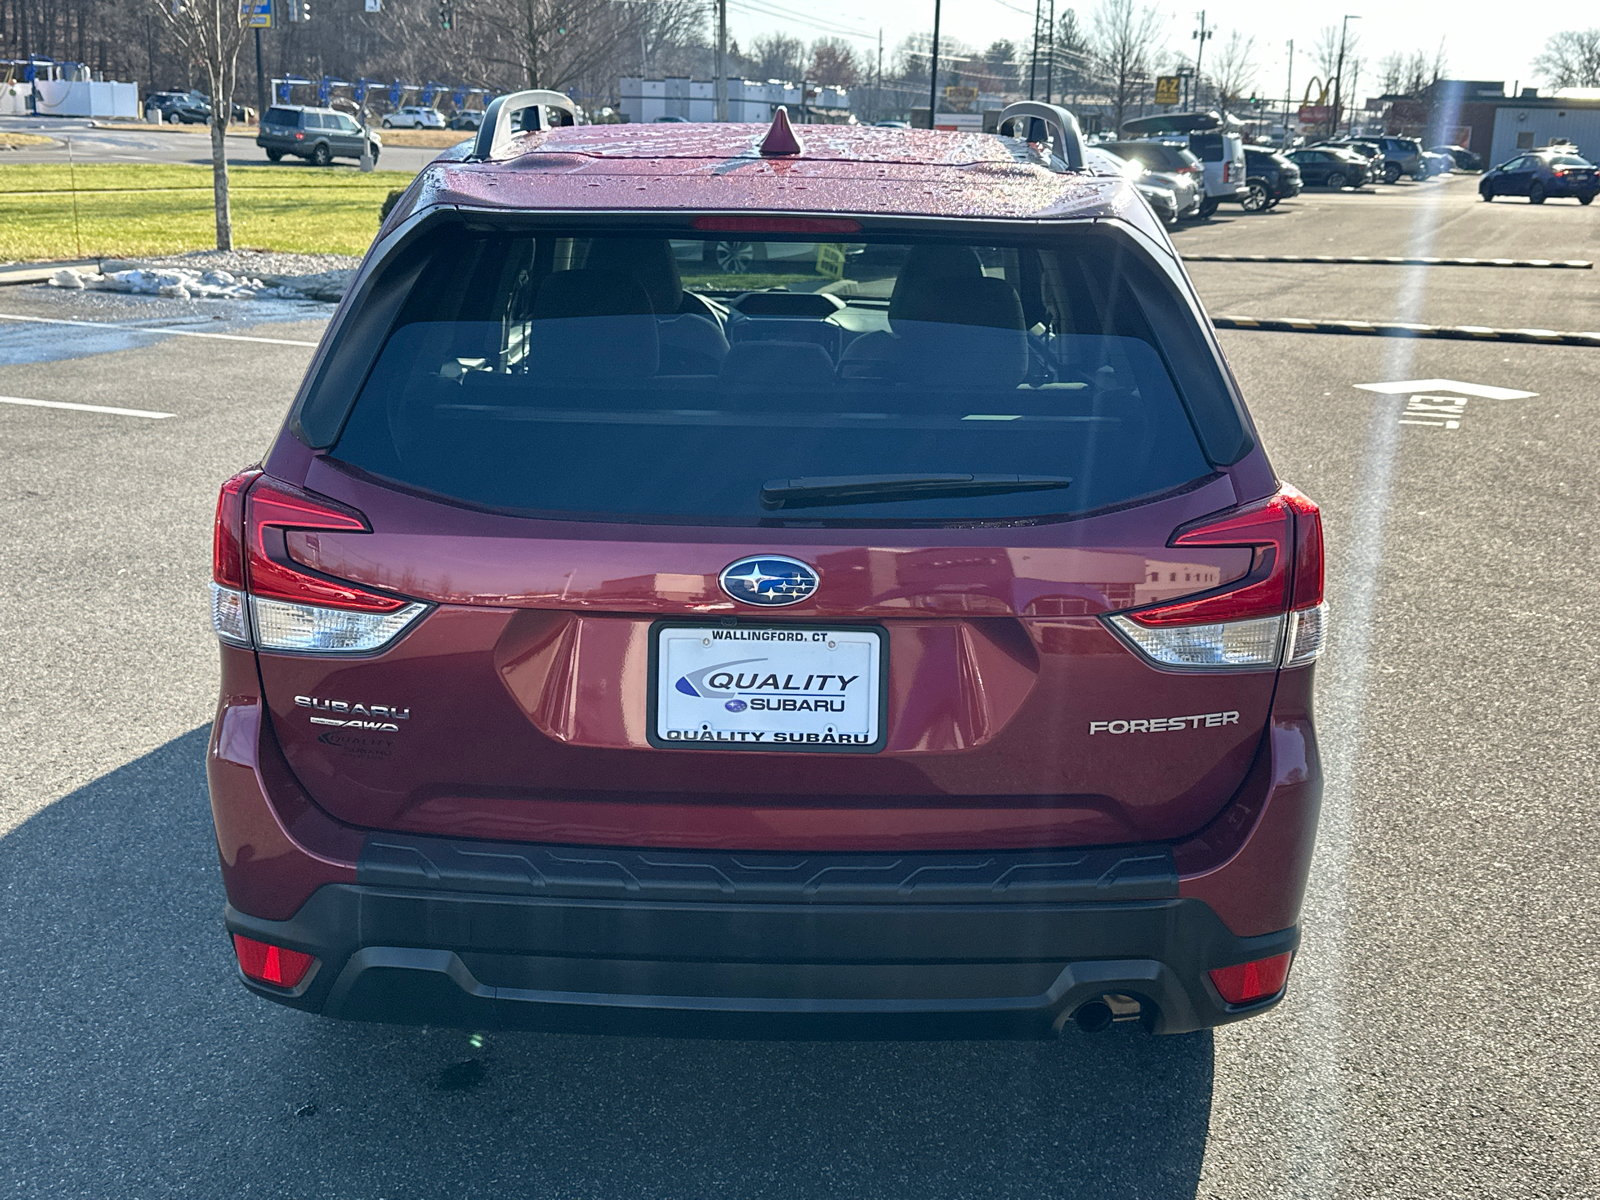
{"points": [[271, 964], [1253, 980]]}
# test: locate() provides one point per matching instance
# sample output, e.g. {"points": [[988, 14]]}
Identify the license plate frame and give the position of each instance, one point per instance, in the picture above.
{"points": [[863, 634]]}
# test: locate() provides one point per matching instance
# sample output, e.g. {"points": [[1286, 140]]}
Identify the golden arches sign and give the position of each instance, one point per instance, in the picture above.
{"points": [[1322, 92]]}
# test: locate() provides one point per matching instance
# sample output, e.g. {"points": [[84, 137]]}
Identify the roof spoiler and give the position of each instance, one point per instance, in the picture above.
{"points": [[1040, 118], [520, 112]]}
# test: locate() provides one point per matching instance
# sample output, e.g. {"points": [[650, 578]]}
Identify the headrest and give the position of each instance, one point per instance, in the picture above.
{"points": [[931, 277], [590, 293], [777, 366], [649, 260], [592, 326], [978, 342]]}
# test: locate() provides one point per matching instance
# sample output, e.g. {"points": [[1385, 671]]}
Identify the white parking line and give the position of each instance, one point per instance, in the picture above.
{"points": [[194, 333], [97, 408]]}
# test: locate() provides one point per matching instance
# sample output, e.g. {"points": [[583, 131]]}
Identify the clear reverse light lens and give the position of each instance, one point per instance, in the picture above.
{"points": [[1220, 645], [228, 616], [280, 625], [1308, 633]]}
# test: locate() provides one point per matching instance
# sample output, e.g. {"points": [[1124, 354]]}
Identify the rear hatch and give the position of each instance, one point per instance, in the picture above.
{"points": [[647, 491]]}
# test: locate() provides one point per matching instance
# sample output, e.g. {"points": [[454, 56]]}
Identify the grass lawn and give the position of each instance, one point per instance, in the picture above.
{"points": [[149, 208]]}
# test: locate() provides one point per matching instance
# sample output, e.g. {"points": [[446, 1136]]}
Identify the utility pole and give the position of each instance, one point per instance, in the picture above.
{"points": [[877, 99], [1033, 62], [1288, 95], [721, 90], [1200, 35], [261, 81], [1050, 62], [1338, 74], [933, 69]]}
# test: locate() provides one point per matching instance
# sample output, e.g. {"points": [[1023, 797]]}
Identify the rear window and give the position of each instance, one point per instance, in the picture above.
{"points": [[1207, 145], [707, 379], [1570, 160], [282, 116]]}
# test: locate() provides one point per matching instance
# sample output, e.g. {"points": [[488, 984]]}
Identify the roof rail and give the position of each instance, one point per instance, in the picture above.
{"points": [[520, 112], [1068, 137]]}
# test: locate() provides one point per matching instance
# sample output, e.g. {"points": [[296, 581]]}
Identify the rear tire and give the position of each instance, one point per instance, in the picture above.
{"points": [[321, 156], [1336, 180], [731, 258], [1208, 208], [274, 155], [1257, 199], [1589, 199], [1536, 193]]}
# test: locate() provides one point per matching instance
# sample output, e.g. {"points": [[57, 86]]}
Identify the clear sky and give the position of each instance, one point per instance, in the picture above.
{"points": [[1483, 39]]}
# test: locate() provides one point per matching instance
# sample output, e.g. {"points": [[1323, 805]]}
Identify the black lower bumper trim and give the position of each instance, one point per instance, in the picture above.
{"points": [[737, 968]]}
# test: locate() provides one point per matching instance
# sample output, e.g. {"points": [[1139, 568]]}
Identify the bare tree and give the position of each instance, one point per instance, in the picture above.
{"points": [[1235, 69], [777, 56], [1571, 59], [834, 63], [555, 43], [1125, 41], [666, 27], [1392, 75], [211, 32]]}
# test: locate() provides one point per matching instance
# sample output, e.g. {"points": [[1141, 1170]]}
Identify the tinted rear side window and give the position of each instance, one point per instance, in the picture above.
{"points": [[1208, 146], [713, 380], [282, 116]]}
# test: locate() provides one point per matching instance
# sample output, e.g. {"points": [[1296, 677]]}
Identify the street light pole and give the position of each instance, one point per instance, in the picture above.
{"points": [[261, 80], [1200, 35], [1288, 94], [933, 68], [1338, 73], [721, 90]]}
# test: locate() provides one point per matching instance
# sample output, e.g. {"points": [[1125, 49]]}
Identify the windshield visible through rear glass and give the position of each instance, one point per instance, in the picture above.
{"points": [[718, 379]]}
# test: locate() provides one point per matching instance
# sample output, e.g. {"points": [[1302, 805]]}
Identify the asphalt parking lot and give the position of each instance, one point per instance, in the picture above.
{"points": [[1441, 1037]]}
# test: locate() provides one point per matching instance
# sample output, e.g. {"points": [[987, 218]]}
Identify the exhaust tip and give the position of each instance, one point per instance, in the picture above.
{"points": [[1093, 1016]]}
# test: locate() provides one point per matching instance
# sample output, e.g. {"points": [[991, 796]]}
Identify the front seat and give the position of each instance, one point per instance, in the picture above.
{"points": [[692, 343], [950, 324]]}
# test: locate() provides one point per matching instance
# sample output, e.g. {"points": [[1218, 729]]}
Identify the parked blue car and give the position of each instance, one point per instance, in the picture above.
{"points": [[1540, 174]]}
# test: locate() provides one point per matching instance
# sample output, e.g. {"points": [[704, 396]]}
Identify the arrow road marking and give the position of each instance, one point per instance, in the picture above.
{"points": [[1482, 390]]}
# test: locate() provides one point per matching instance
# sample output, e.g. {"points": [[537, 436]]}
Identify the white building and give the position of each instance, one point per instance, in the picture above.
{"points": [[646, 100], [1530, 121]]}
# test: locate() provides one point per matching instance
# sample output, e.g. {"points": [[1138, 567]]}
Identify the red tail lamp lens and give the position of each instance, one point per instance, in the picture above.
{"points": [[1285, 531], [273, 507], [777, 225], [266, 963], [1253, 980], [227, 539]]}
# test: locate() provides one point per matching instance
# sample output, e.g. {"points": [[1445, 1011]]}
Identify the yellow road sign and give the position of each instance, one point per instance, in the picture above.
{"points": [[1166, 89]]}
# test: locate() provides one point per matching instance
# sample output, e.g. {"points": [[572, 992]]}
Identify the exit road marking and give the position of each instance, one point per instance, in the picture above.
{"points": [[1482, 390], [1440, 412]]}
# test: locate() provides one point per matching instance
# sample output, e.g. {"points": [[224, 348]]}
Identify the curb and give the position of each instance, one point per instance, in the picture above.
{"points": [[1459, 333], [1571, 264]]}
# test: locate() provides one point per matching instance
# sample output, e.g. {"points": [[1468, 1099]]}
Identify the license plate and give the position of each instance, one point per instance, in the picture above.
{"points": [[767, 687]]}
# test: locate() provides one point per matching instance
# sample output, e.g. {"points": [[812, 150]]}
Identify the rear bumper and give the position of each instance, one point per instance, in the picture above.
{"points": [[411, 928], [739, 965]]}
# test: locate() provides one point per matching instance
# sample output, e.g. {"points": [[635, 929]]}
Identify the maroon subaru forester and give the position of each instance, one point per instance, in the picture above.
{"points": [[719, 579]]}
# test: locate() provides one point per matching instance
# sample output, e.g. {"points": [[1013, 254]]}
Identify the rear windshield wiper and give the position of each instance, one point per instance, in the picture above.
{"points": [[818, 490]]}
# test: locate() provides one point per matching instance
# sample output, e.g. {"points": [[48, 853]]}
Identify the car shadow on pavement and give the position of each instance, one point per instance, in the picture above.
{"points": [[137, 1066]]}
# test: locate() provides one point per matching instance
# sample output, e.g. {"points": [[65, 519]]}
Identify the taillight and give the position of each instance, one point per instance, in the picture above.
{"points": [[1272, 616], [1252, 981], [266, 963], [1227, 172], [261, 597]]}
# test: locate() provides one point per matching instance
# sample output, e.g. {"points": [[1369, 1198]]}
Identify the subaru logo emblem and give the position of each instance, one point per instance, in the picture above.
{"points": [[770, 580]]}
